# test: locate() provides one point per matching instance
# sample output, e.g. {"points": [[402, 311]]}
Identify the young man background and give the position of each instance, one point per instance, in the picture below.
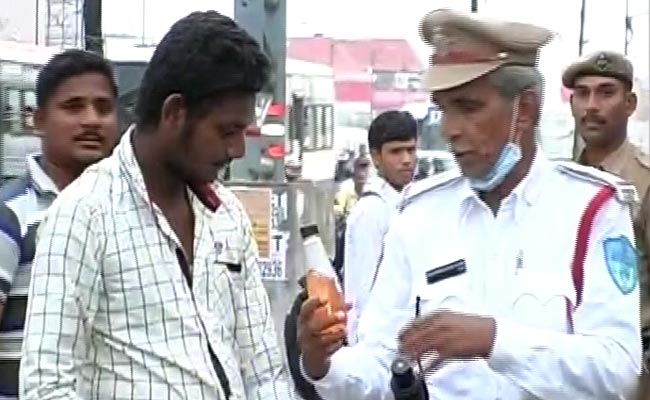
{"points": [[76, 115]]}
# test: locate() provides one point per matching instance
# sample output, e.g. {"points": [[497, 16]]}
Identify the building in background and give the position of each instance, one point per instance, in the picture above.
{"points": [[64, 23], [371, 75], [44, 22], [20, 22]]}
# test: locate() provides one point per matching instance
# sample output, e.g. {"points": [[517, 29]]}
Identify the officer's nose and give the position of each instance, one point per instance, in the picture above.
{"points": [[592, 103]]}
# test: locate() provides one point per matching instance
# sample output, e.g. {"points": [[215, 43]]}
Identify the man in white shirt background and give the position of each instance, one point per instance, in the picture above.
{"points": [[392, 139], [76, 117]]}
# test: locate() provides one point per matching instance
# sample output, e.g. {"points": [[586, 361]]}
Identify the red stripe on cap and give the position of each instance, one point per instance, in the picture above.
{"points": [[465, 57]]}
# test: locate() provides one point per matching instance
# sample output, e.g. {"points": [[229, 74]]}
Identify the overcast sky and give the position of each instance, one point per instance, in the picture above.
{"points": [[399, 19]]}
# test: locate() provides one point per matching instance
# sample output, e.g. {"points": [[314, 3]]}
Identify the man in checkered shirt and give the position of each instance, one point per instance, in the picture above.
{"points": [[145, 281]]}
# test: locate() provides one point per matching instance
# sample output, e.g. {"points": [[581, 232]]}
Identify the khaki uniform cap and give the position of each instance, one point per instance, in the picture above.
{"points": [[603, 63], [467, 47]]}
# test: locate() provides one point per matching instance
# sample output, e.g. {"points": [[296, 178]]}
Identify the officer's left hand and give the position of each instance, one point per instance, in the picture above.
{"points": [[448, 335]]}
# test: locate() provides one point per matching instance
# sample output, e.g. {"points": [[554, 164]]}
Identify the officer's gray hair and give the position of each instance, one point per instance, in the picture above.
{"points": [[511, 80]]}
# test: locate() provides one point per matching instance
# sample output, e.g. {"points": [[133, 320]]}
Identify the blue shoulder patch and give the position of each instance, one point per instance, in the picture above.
{"points": [[622, 263]]}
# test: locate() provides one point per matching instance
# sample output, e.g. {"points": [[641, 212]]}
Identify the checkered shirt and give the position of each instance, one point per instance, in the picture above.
{"points": [[112, 316]]}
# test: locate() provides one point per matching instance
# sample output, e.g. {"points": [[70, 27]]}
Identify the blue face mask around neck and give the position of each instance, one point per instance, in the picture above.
{"points": [[508, 159]]}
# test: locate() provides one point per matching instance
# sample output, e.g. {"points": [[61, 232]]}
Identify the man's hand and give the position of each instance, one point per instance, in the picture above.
{"points": [[448, 335], [315, 345]]}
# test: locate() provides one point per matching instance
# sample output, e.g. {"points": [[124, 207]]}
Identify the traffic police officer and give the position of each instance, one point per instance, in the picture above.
{"points": [[601, 103], [523, 293]]}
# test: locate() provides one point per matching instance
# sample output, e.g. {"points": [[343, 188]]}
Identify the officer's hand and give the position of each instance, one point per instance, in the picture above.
{"points": [[315, 344], [448, 335]]}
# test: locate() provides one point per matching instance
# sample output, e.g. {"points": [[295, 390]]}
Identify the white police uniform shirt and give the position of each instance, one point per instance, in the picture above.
{"points": [[367, 225], [519, 272]]}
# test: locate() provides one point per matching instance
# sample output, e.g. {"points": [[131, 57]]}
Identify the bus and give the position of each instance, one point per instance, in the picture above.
{"points": [[268, 147], [19, 66]]}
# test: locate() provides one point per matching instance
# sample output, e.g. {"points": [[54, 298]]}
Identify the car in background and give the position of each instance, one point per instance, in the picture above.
{"points": [[431, 162]]}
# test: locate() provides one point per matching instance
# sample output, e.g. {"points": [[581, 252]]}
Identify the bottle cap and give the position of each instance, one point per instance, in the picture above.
{"points": [[308, 231]]}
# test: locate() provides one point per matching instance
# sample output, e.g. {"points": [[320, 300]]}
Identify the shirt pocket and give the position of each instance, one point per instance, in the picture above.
{"points": [[231, 261], [542, 300]]}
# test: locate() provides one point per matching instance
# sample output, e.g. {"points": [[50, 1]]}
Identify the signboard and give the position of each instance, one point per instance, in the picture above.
{"points": [[257, 202], [267, 212]]}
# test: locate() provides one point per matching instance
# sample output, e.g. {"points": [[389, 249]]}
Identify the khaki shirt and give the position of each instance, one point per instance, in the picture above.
{"points": [[630, 164]]}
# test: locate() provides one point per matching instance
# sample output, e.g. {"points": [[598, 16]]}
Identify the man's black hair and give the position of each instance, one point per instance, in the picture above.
{"points": [[391, 126], [203, 56], [69, 64]]}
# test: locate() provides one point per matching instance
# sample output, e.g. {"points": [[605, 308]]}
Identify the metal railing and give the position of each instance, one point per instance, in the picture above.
{"points": [[295, 204]]}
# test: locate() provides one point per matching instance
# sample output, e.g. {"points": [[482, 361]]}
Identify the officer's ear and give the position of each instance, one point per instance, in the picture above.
{"points": [[375, 156], [630, 103], [529, 108]]}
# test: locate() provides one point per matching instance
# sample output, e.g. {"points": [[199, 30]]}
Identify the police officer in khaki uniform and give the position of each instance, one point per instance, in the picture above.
{"points": [[601, 104]]}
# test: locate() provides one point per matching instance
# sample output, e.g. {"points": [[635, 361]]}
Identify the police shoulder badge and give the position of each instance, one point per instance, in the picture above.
{"points": [[621, 259]]}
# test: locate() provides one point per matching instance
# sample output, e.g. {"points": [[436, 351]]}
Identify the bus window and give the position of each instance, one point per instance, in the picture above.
{"points": [[11, 107], [430, 137], [29, 105]]}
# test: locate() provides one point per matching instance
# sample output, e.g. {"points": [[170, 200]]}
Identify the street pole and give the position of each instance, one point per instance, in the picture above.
{"points": [[92, 17], [582, 27], [577, 140], [38, 21], [144, 21], [628, 26]]}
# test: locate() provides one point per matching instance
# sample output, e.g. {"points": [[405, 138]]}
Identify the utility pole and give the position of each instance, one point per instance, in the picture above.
{"points": [[578, 144], [581, 39], [266, 22], [92, 18], [36, 30], [144, 21], [628, 26], [474, 6]]}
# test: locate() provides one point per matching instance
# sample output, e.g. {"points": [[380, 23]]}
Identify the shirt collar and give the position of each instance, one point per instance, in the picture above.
{"points": [[528, 189], [40, 180], [205, 193], [381, 186], [615, 161]]}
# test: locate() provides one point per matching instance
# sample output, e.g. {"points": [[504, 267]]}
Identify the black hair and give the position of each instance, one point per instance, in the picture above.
{"points": [[69, 64], [204, 56], [391, 126]]}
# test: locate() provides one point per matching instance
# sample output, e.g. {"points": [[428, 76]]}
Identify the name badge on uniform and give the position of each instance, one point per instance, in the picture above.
{"points": [[446, 271]]}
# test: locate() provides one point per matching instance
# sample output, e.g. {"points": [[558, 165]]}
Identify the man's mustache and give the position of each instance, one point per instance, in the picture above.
{"points": [[593, 118]]}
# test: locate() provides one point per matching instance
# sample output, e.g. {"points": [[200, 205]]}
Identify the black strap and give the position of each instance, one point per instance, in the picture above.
{"points": [[381, 252], [216, 363], [305, 389], [339, 263], [370, 193]]}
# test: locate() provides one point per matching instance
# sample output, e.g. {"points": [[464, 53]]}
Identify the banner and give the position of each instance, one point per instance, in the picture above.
{"points": [[267, 211]]}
